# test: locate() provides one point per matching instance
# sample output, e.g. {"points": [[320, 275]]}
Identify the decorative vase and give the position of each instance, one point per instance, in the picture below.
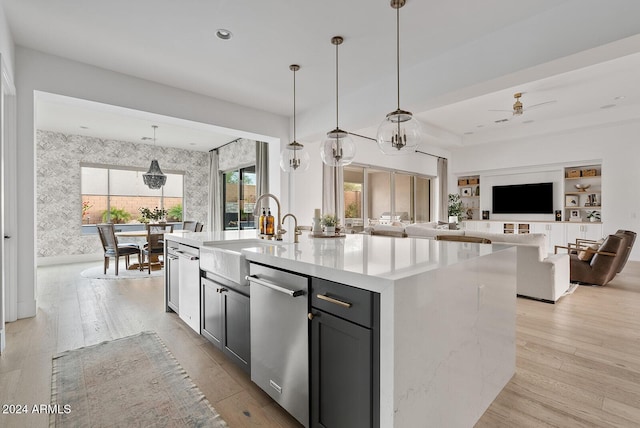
{"points": [[329, 230], [317, 228]]}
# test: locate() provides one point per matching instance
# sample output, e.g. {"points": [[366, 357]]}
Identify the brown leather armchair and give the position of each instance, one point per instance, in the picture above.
{"points": [[603, 266], [631, 239]]}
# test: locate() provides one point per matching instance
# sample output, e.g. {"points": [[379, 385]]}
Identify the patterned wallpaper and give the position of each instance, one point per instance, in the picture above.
{"points": [[240, 153], [58, 203]]}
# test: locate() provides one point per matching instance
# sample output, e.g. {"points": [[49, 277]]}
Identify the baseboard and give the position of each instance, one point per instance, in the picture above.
{"points": [[65, 260], [535, 298]]}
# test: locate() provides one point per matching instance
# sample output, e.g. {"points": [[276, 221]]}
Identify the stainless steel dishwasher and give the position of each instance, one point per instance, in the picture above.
{"points": [[280, 338]]}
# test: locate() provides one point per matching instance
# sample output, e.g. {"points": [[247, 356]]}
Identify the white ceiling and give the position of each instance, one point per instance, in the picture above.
{"points": [[477, 53]]}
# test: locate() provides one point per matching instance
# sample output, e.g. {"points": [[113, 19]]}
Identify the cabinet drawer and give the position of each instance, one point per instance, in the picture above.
{"points": [[347, 302]]}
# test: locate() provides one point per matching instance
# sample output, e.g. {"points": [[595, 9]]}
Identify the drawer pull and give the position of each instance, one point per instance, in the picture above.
{"points": [[334, 301]]}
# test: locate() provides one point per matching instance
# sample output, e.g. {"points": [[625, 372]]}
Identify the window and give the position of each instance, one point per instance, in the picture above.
{"points": [[115, 194], [375, 195], [239, 196]]}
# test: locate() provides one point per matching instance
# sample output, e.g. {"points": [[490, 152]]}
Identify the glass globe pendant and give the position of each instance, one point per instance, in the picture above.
{"points": [[294, 158], [400, 132], [338, 149]]}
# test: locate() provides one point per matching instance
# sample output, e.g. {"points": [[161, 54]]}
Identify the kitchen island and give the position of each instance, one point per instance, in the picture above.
{"points": [[444, 331]]}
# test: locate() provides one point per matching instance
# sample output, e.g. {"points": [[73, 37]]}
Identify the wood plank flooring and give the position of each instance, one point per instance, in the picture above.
{"points": [[578, 361]]}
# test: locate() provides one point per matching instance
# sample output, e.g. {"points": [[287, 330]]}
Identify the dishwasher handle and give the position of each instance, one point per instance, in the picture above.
{"points": [[186, 255], [276, 287]]}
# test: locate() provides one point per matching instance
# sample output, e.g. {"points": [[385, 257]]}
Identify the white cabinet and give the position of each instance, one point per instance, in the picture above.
{"points": [[189, 286], [592, 231], [556, 233]]}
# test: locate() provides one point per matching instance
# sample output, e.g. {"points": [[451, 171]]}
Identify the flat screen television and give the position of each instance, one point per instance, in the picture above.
{"points": [[535, 198]]}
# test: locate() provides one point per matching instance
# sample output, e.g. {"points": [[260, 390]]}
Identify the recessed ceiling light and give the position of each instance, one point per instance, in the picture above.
{"points": [[192, 144], [223, 34], [468, 133], [528, 121], [607, 106], [84, 127], [479, 126], [621, 97]]}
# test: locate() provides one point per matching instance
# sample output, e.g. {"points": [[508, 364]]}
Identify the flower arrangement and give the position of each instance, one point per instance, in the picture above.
{"points": [[329, 220], [86, 206], [156, 214]]}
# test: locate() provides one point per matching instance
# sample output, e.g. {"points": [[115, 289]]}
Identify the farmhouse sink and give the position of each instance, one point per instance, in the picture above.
{"points": [[227, 260]]}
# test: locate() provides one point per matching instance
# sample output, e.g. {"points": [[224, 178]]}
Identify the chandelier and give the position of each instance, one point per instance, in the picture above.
{"points": [[338, 149], [400, 132], [154, 178], [294, 158]]}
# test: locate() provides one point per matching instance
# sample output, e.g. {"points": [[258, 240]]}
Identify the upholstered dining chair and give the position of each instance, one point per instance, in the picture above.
{"points": [[189, 225], [112, 249], [155, 243], [199, 227]]}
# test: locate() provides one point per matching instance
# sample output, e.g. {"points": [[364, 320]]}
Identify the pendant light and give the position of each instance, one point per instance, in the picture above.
{"points": [[338, 149], [400, 132], [154, 178], [294, 158]]}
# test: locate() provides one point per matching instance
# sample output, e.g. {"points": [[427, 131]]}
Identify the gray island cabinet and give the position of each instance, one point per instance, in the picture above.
{"points": [[345, 335], [402, 332]]}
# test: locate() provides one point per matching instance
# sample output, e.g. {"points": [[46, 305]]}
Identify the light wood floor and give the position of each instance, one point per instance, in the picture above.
{"points": [[578, 362]]}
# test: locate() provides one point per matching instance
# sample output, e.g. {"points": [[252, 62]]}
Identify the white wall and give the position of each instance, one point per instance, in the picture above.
{"points": [[616, 145], [41, 72], [6, 44]]}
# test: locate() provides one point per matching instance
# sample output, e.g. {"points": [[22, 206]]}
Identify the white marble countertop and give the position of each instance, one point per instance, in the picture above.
{"points": [[364, 261]]}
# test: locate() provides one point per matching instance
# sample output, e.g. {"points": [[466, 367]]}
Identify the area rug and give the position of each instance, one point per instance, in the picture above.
{"points": [[123, 273], [128, 382]]}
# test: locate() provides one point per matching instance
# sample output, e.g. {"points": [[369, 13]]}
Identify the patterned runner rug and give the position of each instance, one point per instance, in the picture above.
{"points": [[128, 382]]}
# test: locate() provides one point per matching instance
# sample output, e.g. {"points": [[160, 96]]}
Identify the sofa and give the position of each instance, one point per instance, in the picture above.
{"points": [[539, 275]]}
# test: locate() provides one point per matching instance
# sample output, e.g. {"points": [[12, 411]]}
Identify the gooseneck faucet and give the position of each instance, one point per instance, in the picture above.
{"points": [[296, 231], [279, 230]]}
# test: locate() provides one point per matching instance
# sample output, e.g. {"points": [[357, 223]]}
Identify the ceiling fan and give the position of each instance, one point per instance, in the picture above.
{"points": [[518, 107]]}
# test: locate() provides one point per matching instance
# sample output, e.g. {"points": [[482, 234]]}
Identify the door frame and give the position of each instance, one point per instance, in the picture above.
{"points": [[8, 202]]}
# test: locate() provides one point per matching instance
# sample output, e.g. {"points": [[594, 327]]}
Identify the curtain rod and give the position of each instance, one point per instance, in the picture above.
{"points": [[373, 139], [226, 144]]}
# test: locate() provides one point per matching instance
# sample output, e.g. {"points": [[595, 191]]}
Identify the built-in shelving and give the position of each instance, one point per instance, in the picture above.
{"points": [[469, 191], [582, 204]]}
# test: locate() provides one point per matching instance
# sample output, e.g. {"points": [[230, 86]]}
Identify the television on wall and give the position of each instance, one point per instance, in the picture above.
{"points": [[534, 198]]}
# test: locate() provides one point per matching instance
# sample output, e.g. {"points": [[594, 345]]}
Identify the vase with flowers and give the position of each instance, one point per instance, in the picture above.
{"points": [[329, 223], [157, 214]]}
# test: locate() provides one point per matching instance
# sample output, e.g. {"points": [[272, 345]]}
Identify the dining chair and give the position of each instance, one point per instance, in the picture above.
{"points": [[189, 225], [199, 227], [155, 243], [112, 249]]}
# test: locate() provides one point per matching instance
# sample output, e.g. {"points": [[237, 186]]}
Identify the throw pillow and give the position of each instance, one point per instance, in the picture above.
{"points": [[586, 256]]}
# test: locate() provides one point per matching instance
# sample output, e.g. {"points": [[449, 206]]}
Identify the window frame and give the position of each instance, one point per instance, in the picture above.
{"points": [[90, 229]]}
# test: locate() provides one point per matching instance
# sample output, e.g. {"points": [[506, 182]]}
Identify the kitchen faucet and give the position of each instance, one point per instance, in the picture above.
{"points": [[296, 232], [279, 230]]}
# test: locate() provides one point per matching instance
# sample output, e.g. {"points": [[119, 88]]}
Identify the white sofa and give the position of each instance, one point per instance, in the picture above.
{"points": [[540, 275]]}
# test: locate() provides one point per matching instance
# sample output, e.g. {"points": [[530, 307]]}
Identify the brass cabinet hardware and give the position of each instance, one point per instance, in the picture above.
{"points": [[334, 301]]}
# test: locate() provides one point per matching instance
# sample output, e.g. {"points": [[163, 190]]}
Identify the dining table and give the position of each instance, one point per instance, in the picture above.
{"points": [[135, 235]]}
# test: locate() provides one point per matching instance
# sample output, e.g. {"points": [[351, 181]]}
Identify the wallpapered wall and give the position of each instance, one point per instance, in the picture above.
{"points": [[240, 153], [58, 202]]}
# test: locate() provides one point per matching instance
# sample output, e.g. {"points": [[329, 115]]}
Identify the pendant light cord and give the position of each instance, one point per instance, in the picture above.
{"points": [[337, 44], [294, 105], [398, 52]]}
